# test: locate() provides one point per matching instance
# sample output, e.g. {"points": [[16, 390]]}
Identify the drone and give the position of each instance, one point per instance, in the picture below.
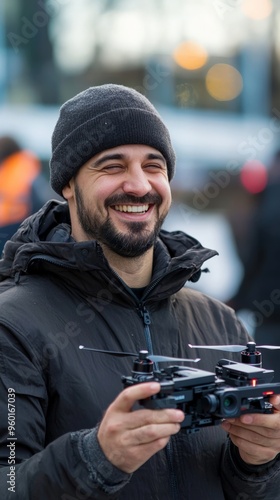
{"points": [[206, 398]]}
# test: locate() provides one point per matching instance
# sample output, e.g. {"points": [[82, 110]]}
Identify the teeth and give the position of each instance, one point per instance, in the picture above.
{"points": [[132, 208]]}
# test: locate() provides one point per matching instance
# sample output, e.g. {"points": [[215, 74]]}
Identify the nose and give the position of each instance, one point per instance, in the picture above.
{"points": [[136, 181]]}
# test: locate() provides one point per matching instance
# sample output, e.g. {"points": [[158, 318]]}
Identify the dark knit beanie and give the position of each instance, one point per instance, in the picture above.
{"points": [[101, 118]]}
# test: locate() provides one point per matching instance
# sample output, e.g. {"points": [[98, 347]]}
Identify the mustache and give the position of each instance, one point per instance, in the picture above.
{"points": [[123, 199]]}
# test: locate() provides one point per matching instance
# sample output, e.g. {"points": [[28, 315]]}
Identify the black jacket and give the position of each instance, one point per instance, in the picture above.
{"points": [[57, 294]]}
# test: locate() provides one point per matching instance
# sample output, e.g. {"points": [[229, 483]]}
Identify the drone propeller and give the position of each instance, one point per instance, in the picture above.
{"points": [[251, 346], [162, 359], [113, 353], [152, 357]]}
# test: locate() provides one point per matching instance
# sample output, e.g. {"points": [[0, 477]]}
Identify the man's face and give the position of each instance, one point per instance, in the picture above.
{"points": [[120, 198]]}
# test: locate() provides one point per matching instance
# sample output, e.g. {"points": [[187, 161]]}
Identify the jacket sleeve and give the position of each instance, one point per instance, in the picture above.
{"points": [[241, 480], [70, 467]]}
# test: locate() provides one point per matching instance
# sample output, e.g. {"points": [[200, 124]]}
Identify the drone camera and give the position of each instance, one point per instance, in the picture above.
{"points": [[221, 404]]}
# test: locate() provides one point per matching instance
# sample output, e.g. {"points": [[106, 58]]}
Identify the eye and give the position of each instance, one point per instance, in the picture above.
{"points": [[155, 167], [112, 169]]}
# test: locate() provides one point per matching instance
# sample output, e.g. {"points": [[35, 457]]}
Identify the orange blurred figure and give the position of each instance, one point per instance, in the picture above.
{"points": [[23, 188]]}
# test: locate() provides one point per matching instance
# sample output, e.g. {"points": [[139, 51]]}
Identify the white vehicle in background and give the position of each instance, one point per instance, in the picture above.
{"points": [[213, 231]]}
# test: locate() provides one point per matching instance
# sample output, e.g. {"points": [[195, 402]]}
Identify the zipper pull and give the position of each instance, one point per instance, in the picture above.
{"points": [[146, 317], [147, 321]]}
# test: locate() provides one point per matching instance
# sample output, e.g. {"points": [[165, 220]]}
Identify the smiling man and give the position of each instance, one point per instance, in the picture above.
{"points": [[98, 270]]}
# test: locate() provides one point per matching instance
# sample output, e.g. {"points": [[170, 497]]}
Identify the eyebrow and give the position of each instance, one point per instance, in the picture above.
{"points": [[119, 156]]}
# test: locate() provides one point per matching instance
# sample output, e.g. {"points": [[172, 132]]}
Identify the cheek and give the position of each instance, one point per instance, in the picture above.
{"points": [[101, 188], [165, 192], [93, 193]]}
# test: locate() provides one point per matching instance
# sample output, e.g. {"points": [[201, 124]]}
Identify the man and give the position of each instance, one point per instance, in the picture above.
{"points": [[98, 271]]}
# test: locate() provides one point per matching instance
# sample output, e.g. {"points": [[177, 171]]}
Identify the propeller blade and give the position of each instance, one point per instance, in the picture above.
{"points": [[229, 348], [113, 353], [233, 348], [152, 357], [159, 359], [268, 347]]}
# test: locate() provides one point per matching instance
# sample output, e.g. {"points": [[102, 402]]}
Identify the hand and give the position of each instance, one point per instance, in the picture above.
{"points": [[257, 436], [129, 438]]}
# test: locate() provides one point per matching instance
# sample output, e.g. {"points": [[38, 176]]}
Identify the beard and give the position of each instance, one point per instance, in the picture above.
{"points": [[136, 241]]}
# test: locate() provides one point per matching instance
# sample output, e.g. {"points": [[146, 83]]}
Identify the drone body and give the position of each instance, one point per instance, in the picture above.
{"points": [[206, 398]]}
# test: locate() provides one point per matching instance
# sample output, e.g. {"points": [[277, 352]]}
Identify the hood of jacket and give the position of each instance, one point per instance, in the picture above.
{"points": [[44, 241]]}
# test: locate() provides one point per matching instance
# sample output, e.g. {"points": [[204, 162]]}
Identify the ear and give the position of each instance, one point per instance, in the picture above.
{"points": [[68, 190]]}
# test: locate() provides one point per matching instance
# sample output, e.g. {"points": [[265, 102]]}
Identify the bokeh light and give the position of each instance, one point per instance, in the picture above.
{"points": [[253, 176], [257, 9], [223, 82], [190, 55]]}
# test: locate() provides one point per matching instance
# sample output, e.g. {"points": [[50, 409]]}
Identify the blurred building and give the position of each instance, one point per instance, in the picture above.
{"points": [[211, 66]]}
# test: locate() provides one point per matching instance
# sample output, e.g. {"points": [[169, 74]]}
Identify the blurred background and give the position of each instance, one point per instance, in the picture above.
{"points": [[211, 67]]}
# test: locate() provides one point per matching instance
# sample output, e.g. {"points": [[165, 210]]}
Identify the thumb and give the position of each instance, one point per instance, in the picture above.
{"points": [[275, 401], [129, 396]]}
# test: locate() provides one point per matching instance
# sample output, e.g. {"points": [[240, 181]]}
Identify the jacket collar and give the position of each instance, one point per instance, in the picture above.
{"points": [[43, 242]]}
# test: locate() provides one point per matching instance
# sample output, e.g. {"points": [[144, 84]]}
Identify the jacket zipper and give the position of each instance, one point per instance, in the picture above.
{"points": [[169, 452], [46, 259]]}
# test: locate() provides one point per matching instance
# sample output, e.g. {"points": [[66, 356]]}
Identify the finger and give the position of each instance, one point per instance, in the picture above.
{"points": [[141, 418], [266, 422], [254, 447], [266, 432], [150, 433], [263, 435], [129, 396], [275, 401], [258, 420], [254, 435]]}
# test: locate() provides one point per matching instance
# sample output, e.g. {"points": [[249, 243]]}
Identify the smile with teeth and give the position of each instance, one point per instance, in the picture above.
{"points": [[132, 208]]}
